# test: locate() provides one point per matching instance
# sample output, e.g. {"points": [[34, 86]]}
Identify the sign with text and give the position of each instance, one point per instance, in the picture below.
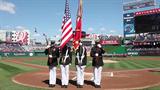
{"points": [[128, 19], [138, 4], [109, 42]]}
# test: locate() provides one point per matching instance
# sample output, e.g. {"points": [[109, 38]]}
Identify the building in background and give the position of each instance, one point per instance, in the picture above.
{"points": [[2, 35]]}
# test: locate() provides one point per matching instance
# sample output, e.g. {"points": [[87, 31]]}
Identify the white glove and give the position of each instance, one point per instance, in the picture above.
{"points": [[96, 54], [77, 56], [50, 56], [80, 44], [48, 46], [99, 45], [70, 64], [82, 56], [66, 56]]}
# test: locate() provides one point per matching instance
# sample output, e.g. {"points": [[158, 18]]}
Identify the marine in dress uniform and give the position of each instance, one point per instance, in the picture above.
{"points": [[97, 63], [53, 55], [65, 61], [80, 62]]}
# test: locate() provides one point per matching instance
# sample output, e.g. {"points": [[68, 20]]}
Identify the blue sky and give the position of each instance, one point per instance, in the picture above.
{"points": [[99, 16]]}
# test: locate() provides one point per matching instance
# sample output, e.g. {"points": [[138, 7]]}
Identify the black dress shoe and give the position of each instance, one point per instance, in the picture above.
{"points": [[97, 86], [51, 85], [62, 86], [80, 86], [66, 86]]}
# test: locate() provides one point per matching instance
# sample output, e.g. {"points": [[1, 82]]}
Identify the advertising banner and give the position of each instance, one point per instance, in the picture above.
{"points": [[21, 37], [109, 42], [138, 4], [128, 19]]}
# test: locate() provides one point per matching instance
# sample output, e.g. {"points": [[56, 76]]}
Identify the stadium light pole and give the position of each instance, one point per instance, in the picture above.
{"points": [[45, 36]]}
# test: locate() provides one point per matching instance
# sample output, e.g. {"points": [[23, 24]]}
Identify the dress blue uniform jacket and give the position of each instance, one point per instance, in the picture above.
{"points": [[97, 60], [54, 51], [80, 51], [63, 53]]}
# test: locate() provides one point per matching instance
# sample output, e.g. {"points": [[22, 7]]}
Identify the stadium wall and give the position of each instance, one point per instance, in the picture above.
{"points": [[118, 50], [19, 54]]}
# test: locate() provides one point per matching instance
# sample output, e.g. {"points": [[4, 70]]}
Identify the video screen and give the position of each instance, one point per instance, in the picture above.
{"points": [[147, 23]]}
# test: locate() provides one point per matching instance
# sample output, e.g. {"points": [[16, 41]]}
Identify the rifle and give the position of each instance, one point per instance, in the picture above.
{"points": [[65, 57], [50, 55], [80, 58], [49, 50]]}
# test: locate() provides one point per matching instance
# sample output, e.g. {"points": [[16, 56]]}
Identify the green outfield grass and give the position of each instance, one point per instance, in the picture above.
{"points": [[7, 71], [122, 63], [42, 62]]}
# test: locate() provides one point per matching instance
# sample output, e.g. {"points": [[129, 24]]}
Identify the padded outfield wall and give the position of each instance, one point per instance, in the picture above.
{"points": [[19, 54]]}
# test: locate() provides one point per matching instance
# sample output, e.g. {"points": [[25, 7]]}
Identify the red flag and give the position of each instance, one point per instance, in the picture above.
{"points": [[67, 33], [78, 31]]}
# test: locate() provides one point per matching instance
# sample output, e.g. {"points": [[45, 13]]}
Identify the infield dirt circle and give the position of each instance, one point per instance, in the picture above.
{"points": [[111, 80]]}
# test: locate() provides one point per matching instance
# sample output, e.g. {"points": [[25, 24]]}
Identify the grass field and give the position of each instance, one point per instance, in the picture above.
{"points": [[7, 70], [123, 63]]}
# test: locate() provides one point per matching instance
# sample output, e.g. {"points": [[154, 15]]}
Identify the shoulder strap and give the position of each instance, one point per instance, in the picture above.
{"points": [[66, 53]]}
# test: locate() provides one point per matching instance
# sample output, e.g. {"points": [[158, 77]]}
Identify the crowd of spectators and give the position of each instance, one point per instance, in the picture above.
{"points": [[37, 48], [147, 37], [146, 44], [146, 51], [110, 38], [11, 47]]}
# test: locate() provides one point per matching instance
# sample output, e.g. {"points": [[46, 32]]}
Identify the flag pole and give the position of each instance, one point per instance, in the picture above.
{"points": [[78, 30]]}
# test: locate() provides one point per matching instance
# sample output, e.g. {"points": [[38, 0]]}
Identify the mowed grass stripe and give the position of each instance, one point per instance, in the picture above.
{"points": [[131, 64], [146, 64], [126, 65], [110, 65], [8, 71], [154, 62], [9, 68], [135, 65], [117, 66]]}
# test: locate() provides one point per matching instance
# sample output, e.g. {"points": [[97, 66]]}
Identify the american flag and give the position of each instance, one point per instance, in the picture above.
{"points": [[67, 33]]}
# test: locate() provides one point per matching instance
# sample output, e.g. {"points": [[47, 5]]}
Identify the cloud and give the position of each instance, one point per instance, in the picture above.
{"points": [[102, 29], [36, 35], [112, 31], [7, 7], [90, 29], [20, 27]]}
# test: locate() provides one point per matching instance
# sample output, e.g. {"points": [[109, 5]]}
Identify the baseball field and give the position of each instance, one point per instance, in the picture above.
{"points": [[119, 73]]}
